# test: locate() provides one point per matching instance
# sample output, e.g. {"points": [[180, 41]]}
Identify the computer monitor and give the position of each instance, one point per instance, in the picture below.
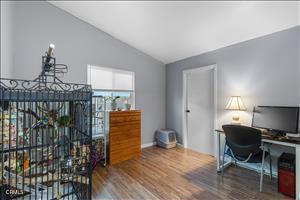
{"points": [[276, 118]]}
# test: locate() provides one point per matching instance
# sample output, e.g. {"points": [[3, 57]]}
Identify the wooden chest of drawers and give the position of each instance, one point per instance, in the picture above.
{"points": [[124, 135]]}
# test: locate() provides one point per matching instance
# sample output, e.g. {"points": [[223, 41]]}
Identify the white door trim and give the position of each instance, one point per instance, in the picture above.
{"points": [[184, 104]]}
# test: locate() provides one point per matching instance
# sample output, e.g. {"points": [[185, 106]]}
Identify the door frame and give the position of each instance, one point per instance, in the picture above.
{"points": [[184, 100]]}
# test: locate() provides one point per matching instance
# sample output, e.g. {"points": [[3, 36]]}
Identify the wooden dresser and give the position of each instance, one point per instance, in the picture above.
{"points": [[124, 135]]}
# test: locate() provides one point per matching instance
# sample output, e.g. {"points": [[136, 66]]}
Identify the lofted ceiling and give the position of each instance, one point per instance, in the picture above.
{"points": [[171, 31]]}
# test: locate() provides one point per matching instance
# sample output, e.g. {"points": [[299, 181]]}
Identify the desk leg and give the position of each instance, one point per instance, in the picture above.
{"points": [[218, 152], [220, 164], [298, 172]]}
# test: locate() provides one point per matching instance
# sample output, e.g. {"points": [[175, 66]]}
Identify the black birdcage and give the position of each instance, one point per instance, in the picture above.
{"points": [[45, 137]]}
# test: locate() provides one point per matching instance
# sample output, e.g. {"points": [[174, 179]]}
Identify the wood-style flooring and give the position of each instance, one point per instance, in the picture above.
{"points": [[178, 173]]}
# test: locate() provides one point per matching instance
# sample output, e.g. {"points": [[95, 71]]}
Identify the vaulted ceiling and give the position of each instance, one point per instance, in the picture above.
{"points": [[170, 31]]}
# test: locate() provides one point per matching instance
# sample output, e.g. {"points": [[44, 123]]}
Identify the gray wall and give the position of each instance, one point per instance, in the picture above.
{"points": [[37, 24], [6, 58], [264, 71]]}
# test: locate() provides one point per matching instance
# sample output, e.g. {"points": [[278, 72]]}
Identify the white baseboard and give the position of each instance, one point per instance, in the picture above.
{"points": [[148, 145]]}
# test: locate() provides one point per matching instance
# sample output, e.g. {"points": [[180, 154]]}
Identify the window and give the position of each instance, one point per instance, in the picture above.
{"points": [[111, 83]]}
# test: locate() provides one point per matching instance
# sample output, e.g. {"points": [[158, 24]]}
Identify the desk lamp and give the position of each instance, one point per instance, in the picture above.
{"points": [[235, 103]]}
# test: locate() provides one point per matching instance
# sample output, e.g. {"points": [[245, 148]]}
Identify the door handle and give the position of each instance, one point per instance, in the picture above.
{"points": [[188, 111]]}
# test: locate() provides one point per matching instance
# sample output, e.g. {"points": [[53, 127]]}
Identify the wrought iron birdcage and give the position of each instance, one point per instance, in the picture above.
{"points": [[45, 137]]}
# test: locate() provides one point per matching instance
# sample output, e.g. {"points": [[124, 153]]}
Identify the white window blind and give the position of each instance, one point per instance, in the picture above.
{"points": [[102, 78]]}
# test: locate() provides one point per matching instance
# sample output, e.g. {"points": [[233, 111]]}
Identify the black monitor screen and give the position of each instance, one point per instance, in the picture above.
{"points": [[284, 119]]}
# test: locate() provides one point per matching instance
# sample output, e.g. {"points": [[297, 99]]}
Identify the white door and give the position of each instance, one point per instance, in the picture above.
{"points": [[200, 110]]}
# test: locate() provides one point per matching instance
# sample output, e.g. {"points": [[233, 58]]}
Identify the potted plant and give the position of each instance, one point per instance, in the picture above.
{"points": [[127, 105], [114, 103]]}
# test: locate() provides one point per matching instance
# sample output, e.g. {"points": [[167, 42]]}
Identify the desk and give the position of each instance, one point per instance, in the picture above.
{"points": [[266, 139]]}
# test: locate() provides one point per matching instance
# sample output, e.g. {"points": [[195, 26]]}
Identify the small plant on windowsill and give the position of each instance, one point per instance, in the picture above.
{"points": [[114, 103], [127, 105]]}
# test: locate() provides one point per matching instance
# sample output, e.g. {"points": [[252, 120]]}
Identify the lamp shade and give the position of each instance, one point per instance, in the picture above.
{"points": [[235, 103]]}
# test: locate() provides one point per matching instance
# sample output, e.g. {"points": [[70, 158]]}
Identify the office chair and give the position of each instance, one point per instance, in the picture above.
{"points": [[244, 145]]}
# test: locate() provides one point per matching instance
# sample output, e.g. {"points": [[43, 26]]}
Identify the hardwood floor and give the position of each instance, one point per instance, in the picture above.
{"points": [[178, 174]]}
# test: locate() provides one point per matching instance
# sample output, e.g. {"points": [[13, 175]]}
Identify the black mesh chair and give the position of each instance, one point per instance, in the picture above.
{"points": [[244, 145]]}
